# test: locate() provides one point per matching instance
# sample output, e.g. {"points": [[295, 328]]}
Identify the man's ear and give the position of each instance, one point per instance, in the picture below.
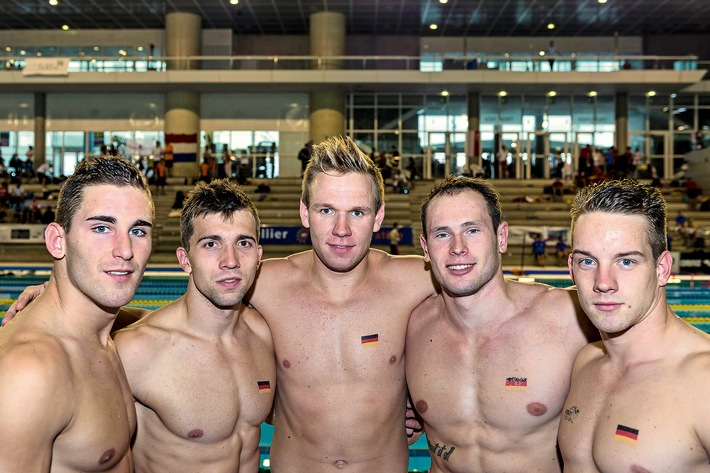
{"points": [[664, 267], [55, 240], [425, 248], [379, 217], [303, 211], [183, 259]]}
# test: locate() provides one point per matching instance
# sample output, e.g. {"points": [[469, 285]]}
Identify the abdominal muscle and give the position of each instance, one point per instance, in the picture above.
{"points": [[367, 434], [492, 450]]}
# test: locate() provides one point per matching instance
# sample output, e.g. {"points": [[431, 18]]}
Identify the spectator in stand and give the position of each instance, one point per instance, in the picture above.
{"points": [[551, 54], [692, 192], [160, 172], [205, 170], [561, 251], [538, 247], [43, 171], [169, 156], [263, 190]]}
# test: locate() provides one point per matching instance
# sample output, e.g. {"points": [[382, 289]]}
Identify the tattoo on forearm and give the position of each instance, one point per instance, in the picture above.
{"points": [[440, 451]]}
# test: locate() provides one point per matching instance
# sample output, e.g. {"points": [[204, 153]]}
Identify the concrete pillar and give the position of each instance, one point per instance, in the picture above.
{"points": [[327, 34], [473, 153], [183, 37], [327, 107], [621, 118], [182, 129], [40, 129], [327, 117]]}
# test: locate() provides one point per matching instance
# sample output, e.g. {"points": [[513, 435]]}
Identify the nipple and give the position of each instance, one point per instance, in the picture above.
{"points": [[195, 434], [107, 456], [536, 409]]}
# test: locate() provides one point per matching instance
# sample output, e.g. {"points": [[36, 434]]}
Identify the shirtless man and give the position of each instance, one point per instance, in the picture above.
{"points": [[202, 368], [65, 401], [639, 398], [338, 315], [488, 359]]}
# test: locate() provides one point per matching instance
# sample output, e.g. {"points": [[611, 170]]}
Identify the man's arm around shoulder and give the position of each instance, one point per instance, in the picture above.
{"points": [[36, 402]]}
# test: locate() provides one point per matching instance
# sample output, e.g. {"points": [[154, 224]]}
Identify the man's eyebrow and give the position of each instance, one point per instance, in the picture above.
{"points": [[242, 236], [102, 218], [112, 220], [143, 223], [617, 255], [359, 208], [463, 225]]}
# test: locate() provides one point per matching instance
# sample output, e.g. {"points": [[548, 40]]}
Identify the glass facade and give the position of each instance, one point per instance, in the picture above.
{"points": [[542, 134]]}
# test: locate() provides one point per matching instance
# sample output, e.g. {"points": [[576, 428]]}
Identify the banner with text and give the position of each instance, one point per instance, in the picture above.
{"points": [[289, 235], [46, 66]]}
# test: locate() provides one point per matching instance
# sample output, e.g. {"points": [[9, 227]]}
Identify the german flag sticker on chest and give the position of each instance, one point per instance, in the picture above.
{"points": [[516, 384], [369, 340]]}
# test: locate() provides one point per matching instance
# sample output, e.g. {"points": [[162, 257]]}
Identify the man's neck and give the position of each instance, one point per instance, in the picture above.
{"points": [[206, 320]]}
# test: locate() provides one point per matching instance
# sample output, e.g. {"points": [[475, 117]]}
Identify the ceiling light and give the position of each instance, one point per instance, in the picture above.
{"points": [[601, 1], [53, 2], [502, 93], [551, 93], [651, 93], [550, 26], [8, 48], [433, 26], [140, 48], [65, 27], [541, 53], [592, 93], [234, 2], [443, 1], [444, 93]]}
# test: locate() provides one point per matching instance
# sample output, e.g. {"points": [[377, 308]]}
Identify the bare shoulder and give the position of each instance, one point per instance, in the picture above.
{"points": [[275, 272], [425, 314], [588, 355], [410, 271], [35, 380], [257, 325], [695, 364], [414, 263], [543, 298], [556, 304], [140, 341]]}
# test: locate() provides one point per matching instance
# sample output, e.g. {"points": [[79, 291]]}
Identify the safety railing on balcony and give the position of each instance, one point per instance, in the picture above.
{"points": [[428, 63]]}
